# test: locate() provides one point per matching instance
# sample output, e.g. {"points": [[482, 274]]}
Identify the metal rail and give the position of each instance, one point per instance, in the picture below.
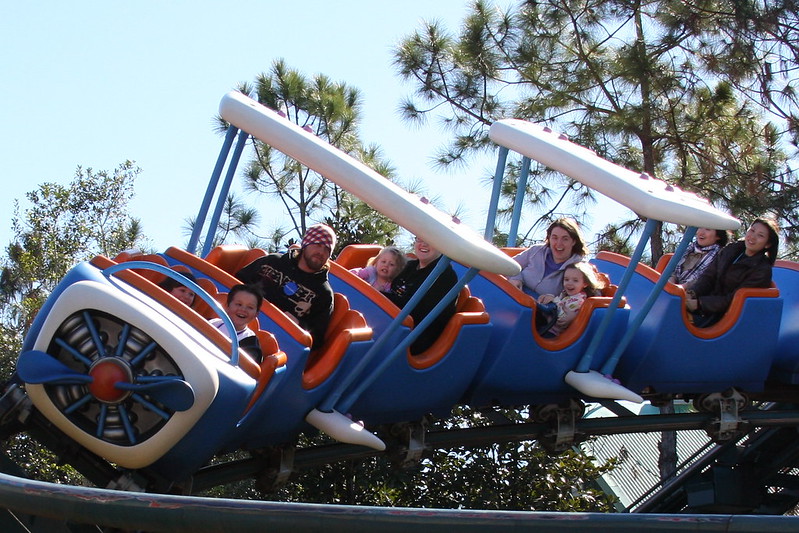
{"points": [[159, 512]]}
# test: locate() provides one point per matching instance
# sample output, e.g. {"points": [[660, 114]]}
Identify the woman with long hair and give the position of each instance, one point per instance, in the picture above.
{"points": [[745, 263]]}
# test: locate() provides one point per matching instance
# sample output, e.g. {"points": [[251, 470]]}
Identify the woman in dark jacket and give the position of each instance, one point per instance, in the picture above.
{"points": [[746, 263], [410, 280]]}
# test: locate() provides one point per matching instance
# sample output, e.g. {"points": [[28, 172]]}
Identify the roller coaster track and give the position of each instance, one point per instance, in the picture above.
{"points": [[406, 449], [762, 445], [35, 506], [765, 448], [757, 474]]}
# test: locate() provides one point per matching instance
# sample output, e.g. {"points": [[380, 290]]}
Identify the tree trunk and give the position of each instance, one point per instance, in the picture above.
{"points": [[656, 244]]}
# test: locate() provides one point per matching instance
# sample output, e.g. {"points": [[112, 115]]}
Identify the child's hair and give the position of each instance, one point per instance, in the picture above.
{"points": [[241, 287], [170, 283], [399, 257], [594, 282]]}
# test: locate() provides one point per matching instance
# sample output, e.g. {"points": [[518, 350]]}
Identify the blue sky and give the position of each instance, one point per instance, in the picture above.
{"points": [[96, 83]]}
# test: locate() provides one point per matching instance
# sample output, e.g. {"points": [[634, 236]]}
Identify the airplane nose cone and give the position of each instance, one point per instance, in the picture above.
{"points": [[107, 372]]}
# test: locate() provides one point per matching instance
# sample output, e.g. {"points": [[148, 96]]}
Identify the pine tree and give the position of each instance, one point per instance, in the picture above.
{"points": [[701, 94]]}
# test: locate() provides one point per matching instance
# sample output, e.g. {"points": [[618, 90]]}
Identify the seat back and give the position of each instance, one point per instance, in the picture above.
{"points": [[663, 261], [357, 255], [232, 258], [786, 363], [468, 311], [135, 255], [608, 288], [346, 327], [511, 251], [203, 308]]}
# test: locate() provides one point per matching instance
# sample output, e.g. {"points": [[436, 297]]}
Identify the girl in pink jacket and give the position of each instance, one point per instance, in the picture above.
{"points": [[580, 281]]}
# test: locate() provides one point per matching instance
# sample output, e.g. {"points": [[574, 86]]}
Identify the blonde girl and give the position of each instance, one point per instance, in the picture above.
{"points": [[381, 269]]}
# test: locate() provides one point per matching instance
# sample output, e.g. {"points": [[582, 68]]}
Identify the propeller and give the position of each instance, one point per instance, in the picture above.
{"points": [[174, 393], [39, 367]]}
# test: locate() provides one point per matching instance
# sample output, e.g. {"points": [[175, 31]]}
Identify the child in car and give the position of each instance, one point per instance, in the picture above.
{"points": [[580, 281]]}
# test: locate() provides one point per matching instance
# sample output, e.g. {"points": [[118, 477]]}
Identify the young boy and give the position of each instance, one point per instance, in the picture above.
{"points": [[243, 303]]}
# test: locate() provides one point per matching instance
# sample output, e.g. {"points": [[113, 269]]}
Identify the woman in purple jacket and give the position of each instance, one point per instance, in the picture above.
{"points": [[543, 264]]}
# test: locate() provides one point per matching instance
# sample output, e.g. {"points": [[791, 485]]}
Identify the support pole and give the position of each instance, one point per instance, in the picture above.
{"points": [[209, 192]]}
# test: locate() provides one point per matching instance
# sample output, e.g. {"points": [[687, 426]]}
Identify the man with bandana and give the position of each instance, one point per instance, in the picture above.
{"points": [[296, 282]]}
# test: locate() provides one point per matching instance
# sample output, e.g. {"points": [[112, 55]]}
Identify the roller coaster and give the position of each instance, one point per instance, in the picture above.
{"points": [[139, 393]]}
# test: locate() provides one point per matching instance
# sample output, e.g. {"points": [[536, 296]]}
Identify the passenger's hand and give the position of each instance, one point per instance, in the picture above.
{"points": [[516, 283], [691, 304], [546, 298]]}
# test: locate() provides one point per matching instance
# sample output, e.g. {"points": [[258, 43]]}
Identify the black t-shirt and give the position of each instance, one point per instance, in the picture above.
{"points": [[306, 296], [405, 286]]}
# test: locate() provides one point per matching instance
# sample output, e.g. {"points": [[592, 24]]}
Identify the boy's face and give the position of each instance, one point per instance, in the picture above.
{"points": [[242, 309]]}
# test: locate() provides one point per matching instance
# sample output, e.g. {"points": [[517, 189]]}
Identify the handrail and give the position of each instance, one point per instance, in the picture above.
{"points": [[280, 318], [585, 361], [199, 291], [330, 402], [635, 324], [221, 199], [518, 202]]}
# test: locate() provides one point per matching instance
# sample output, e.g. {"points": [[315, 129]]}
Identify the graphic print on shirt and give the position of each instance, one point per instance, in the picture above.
{"points": [[300, 296]]}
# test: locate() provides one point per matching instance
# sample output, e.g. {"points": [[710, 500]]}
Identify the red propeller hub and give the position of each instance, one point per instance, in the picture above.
{"points": [[107, 372]]}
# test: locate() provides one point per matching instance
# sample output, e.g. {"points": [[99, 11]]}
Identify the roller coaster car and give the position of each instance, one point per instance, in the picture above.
{"points": [[378, 310], [219, 267], [519, 366], [669, 355], [133, 375], [309, 374], [786, 361], [414, 385], [522, 367]]}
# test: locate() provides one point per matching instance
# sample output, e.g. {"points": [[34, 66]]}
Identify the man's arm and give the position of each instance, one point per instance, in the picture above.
{"points": [[318, 319]]}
